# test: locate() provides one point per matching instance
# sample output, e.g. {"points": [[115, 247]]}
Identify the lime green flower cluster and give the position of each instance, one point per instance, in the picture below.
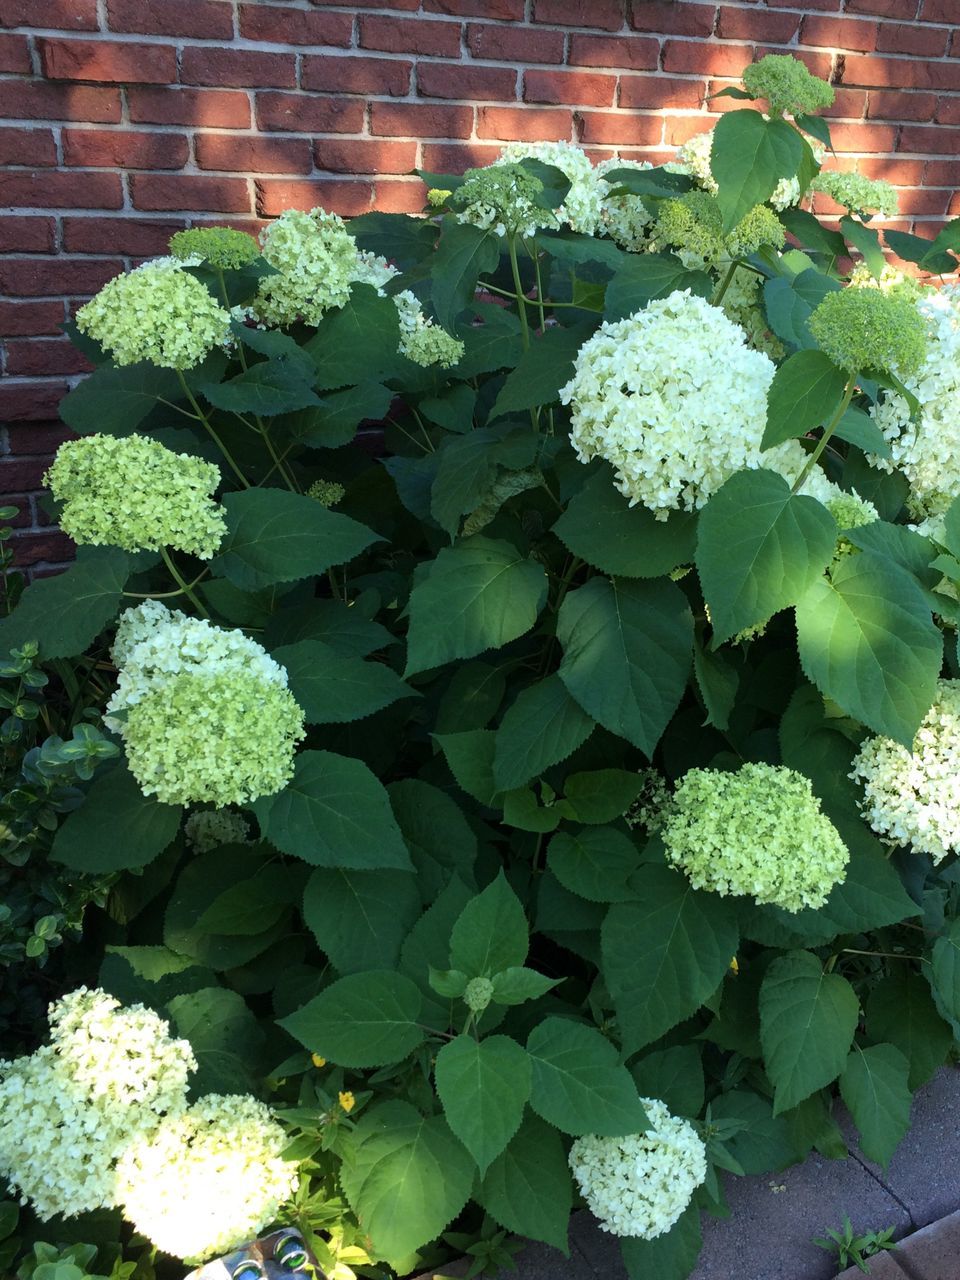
{"points": [[693, 224], [787, 85], [316, 261], [422, 341], [868, 329], [502, 197], [891, 280], [757, 832], [851, 511], [158, 313], [210, 828], [758, 227], [132, 492], [327, 492], [858, 194], [220, 246]]}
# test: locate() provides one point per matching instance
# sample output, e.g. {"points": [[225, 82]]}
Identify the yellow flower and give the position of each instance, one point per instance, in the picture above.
{"points": [[438, 196], [734, 966], [346, 1100], [317, 1060]]}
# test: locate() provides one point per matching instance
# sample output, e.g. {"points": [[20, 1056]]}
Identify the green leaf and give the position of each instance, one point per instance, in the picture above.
{"points": [[139, 827], [596, 863], [335, 420], [811, 233], [671, 1256], [542, 370], [675, 1076], [901, 1011], [646, 276], [868, 641], [484, 1086], [64, 614], [759, 548], [860, 429], [718, 681], [874, 1087], [542, 727], [467, 464], [944, 973], [360, 918], [578, 1083], [265, 389], [469, 757], [816, 126], [478, 595], [516, 985], [600, 527], [336, 690], [344, 628], [626, 654], [491, 932], [333, 813], [867, 241], [763, 1143], [748, 158], [528, 1188], [807, 1021], [225, 1038], [664, 954], [395, 236], [441, 842], [427, 945], [602, 795], [363, 1020], [405, 1176], [114, 401], [658, 181], [494, 344], [276, 536], [463, 253], [252, 905], [805, 392], [357, 342]]}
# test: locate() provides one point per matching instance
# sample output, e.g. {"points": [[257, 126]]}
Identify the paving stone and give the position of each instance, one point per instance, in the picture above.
{"points": [[934, 1252], [883, 1267]]}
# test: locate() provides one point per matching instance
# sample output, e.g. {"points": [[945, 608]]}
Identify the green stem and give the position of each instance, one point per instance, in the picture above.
{"points": [[536, 267], [185, 587], [725, 283], [163, 595], [213, 435], [888, 955], [827, 433], [530, 302], [518, 285]]}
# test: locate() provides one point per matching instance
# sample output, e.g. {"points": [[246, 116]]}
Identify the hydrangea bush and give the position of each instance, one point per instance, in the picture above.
{"points": [[527, 640]]}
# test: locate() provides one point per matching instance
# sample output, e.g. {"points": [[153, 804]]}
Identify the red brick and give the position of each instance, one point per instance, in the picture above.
{"points": [[51, 277], [29, 402], [708, 59], [30, 319], [757, 24], [364, 155], [294, 26], [200, 19], [681, 129], [118, 148], [885, 8], [23, 519], [632, 53], [37, 548], [36, 101], [502, 10], [902, 37], [577, 87], [241, 68], [22, 473], [932, 139], [818, 64], [253, 155], [902, 173], [847, 103], [948, 111], [607, 15], [660, 92], [33, 147], [621, 130], [346, 198], [421, 120], [173, 192], [862, 137], [939, 11], [517, 45], [107, 60], [900, 73], [410, 35], [929, 202], [61, 15], [399, 197], [457, 80], [838, 33], [830, 6], [332, 74], [15, 55], [210, 108], [46, 190], [524, 124], [298, 113], [901, 106], [27, 235], [136, 237], [29, 358], [665, 17], [38, 438], [457, 157]]}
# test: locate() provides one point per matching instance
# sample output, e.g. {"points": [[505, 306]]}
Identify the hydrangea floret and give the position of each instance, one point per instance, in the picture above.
{"points": [[315, 259], [640, 1184], [912, 797], [693, 224], [863, 329], [209, 828], [158, 313], [890, 280], [208, 1179], [134, 493], [787, 85], [205, 713], [223, 247], [327, 492], [858, 194], [757, 832], [502, 198], [582, 205]]}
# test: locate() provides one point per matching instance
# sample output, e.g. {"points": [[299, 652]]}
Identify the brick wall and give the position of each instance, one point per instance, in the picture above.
{"points": [[124, 120]]}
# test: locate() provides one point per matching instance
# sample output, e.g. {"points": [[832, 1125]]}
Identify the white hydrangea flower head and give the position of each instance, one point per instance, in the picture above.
{"points": [[913, 797], [639, 1185], [316, 258], [205, 713], [502, 197], [927, 450], [209, 1179], [134, 493], [625, 219], [582, 206], [757, 832], [209, 828], [422, 341], [157, 313]]}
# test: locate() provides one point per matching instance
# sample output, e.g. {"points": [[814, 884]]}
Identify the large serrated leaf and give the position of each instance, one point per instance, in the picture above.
{"points": [[463, 253], [363, 1020], [333, 689], [578, 1083], [646, 276], [541, 371], [360, 918], [805, 392], [874, 1085], [671, 1256], [491, 932], [596, 863], [528, 1188], [113, 401], [64, 614], [542, 727], [901, 1010], [748, 157], [441, 841], [139, 827], [484, 1086]]}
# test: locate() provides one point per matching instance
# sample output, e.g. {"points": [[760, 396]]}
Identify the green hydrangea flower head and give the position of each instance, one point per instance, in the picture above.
{"points": [[502, 197], [759, 227], [327, 492], [210, 828], [316, 260], [134, 493], [851, 511], [868, 329], [437, 197], [220, 246], [858, 194], [758, 832], [891, 281], [478, 993], [692, 224], [421, 340], [158, 313], [787, 85]]}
